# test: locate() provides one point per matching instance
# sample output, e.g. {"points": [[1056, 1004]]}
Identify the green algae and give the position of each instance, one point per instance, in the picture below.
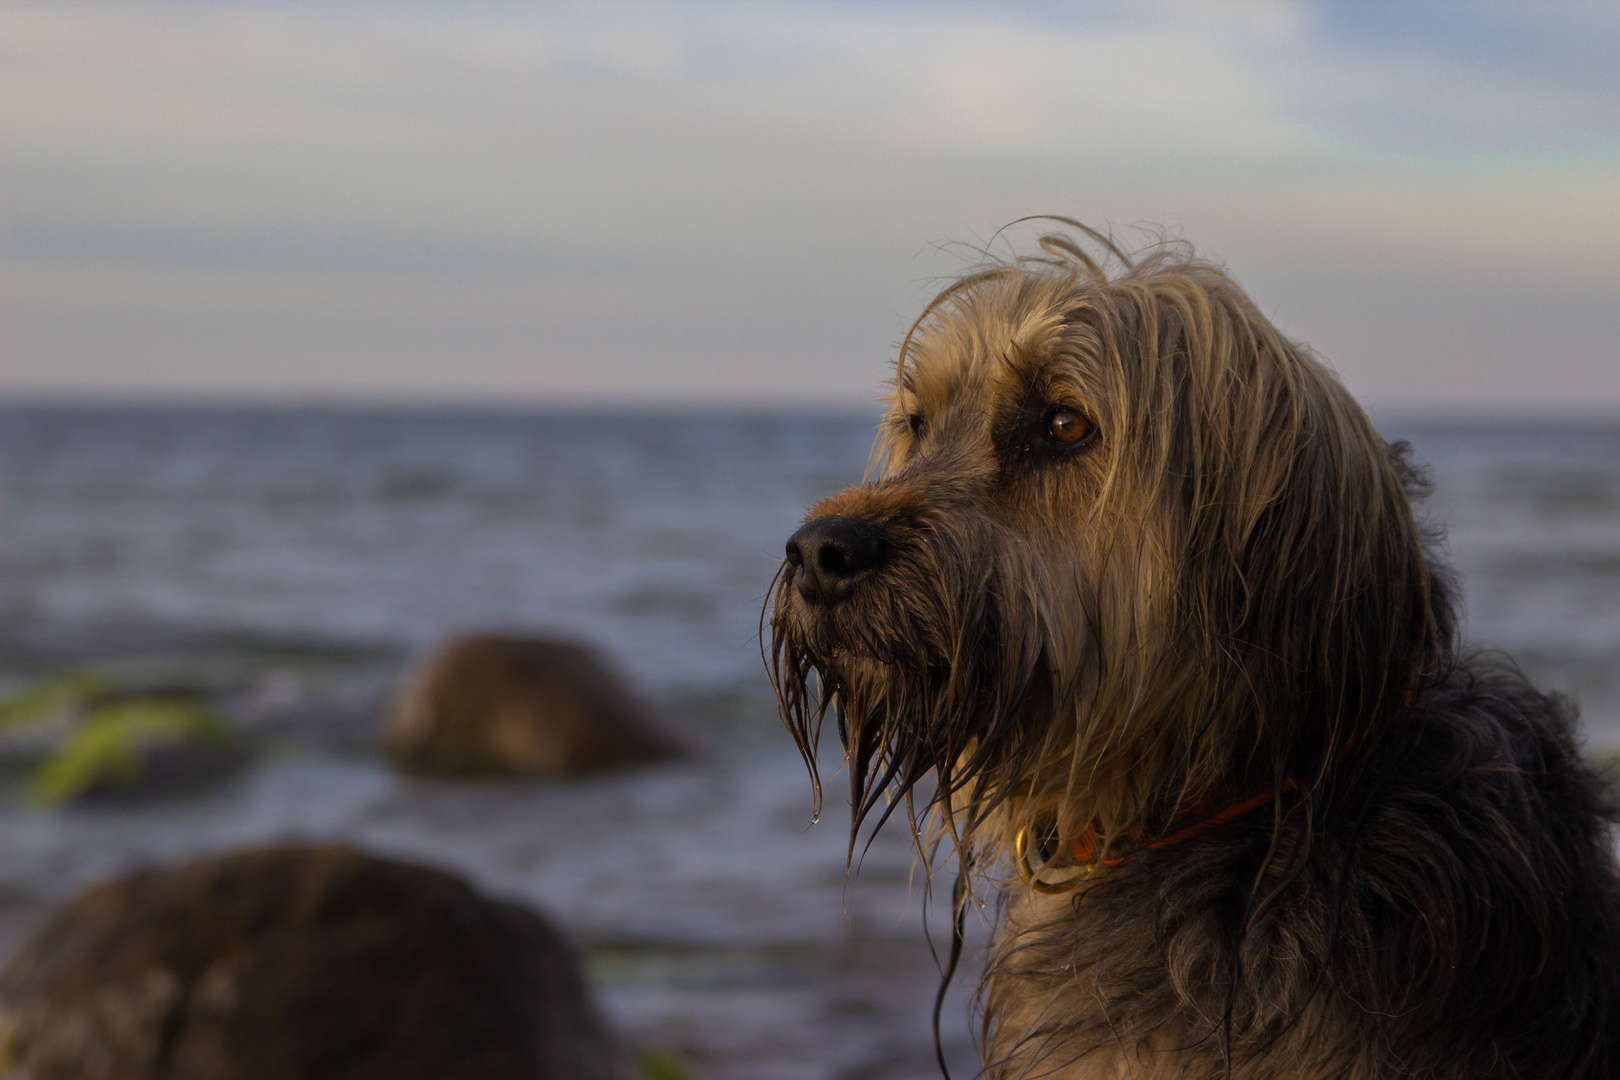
{"points": [[106, 747], [50, 698], [657, 1063]]}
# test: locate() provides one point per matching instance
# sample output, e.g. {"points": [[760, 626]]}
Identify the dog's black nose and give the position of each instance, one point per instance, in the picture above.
{"points": [[830, 555]]}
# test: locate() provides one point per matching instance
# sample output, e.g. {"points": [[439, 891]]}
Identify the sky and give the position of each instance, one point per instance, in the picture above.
{"points": [[694, 203]]}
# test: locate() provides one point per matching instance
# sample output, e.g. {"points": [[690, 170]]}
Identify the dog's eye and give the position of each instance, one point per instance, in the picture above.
{"points": [[915, 422], [1067, 427]]}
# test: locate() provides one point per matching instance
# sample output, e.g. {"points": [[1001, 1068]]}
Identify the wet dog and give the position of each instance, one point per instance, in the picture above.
{"points": [[1136, 620]]}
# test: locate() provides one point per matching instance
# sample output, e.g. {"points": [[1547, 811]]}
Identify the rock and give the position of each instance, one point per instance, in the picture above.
{"points": [[298, 963], [488, 705]]}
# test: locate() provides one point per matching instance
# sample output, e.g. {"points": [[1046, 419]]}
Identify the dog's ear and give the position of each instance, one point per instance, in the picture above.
{"points": [[1322, 585], [1299, 569]]}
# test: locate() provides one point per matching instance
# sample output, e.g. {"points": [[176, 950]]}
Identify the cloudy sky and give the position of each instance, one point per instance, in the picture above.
{"points": [[745, 202]]}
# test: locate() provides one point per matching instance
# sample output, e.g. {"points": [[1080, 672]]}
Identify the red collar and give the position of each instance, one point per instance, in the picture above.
{"points": [[1084, 846]]}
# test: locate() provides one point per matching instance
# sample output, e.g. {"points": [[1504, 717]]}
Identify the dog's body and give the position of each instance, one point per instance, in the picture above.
{"points": [[1140, 590]]}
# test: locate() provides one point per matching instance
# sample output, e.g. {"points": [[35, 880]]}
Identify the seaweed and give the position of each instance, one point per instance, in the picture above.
{"points": [[107, 748]]}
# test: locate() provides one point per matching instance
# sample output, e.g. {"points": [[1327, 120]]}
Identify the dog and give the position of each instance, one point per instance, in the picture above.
{"points": [[1136, 620]]}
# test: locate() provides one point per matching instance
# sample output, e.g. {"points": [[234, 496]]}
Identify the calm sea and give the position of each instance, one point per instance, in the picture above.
{"points": [[290, 561]]}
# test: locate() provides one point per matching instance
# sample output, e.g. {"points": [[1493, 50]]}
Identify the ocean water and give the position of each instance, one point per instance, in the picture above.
{"points": [[1532, 519], [292, 561], [653, 536]]}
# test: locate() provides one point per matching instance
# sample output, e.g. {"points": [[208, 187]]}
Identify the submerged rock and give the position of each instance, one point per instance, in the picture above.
{"points": [[298, 963], [489, 705]]}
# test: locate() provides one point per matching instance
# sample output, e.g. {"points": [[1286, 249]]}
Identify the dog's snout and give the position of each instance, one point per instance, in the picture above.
{"points": [[830, 555]]}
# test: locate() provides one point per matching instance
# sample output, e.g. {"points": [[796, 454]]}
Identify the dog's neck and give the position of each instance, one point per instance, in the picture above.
{"points": [[1091, 852]]}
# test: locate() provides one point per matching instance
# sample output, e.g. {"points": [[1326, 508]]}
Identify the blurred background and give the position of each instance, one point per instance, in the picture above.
{"points": [[332, 329]]}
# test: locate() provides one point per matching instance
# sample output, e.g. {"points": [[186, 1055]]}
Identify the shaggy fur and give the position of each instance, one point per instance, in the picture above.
{"points": [[1220, 590]]}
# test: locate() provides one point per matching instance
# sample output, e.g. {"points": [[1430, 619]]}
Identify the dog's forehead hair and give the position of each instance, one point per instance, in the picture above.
{"points": [[984, 358]]}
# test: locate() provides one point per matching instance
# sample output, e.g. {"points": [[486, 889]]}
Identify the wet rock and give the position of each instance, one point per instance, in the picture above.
{"points": [[488, 705], [298, 963]]}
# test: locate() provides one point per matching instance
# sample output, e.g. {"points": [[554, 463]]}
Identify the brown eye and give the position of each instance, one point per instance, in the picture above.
{"points": [[1067, 428], [915, 422]]}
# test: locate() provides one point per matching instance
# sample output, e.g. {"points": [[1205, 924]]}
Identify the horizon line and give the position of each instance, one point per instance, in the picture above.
{"points": [[585, 404]]}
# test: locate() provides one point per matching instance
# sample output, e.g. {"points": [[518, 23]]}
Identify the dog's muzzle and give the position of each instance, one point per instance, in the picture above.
{"points": [[831, 555]]}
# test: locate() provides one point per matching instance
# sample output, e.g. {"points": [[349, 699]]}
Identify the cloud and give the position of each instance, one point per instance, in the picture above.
{"points": [[702, 200]]}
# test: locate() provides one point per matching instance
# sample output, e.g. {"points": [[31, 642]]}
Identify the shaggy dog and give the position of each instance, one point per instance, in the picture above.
{"points": [[1136, 617]]}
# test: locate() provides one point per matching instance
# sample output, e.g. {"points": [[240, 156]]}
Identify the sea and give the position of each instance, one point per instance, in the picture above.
{"points": [[293, 562]]}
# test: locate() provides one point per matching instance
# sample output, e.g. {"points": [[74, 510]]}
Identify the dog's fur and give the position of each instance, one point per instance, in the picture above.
{"points": [[1223, 591]]}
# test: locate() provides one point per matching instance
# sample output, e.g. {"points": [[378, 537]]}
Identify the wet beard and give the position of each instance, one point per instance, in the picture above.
{"points": [[973, 721]]}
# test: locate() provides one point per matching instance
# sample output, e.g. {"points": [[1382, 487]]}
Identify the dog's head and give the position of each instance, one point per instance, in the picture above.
{"points": [[1125, 542]]}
